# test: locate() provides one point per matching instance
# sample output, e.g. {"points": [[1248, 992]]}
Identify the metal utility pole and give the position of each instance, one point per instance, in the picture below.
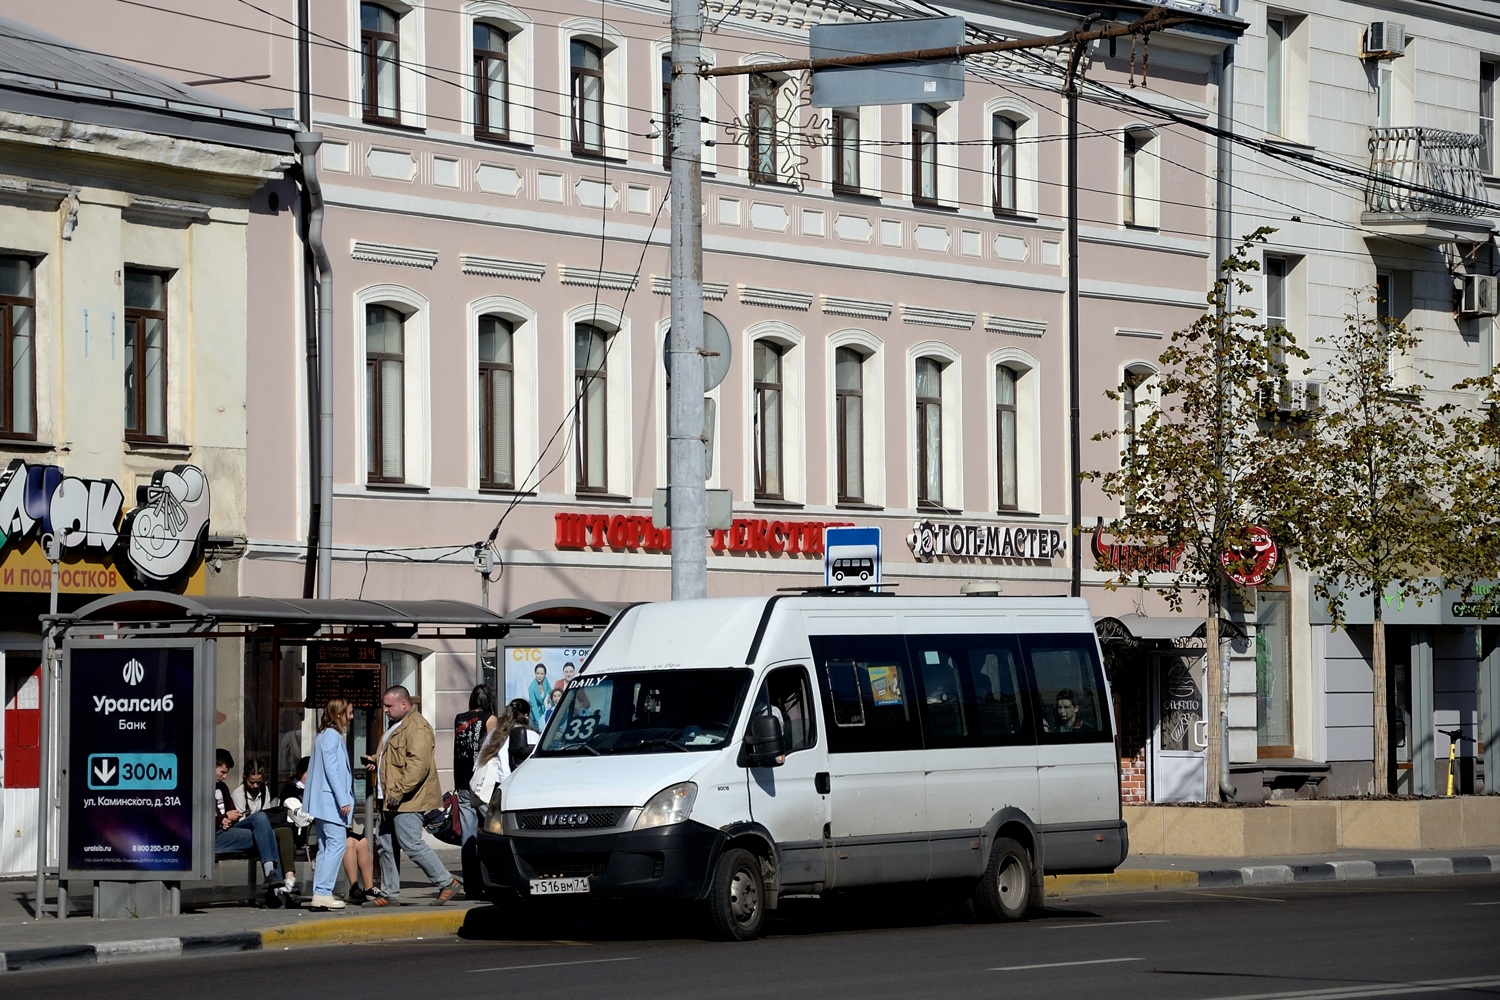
{"points": [[686, 497]]}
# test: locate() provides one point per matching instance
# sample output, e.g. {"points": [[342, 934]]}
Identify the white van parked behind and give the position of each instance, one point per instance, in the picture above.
{"points": [[737, 751]]}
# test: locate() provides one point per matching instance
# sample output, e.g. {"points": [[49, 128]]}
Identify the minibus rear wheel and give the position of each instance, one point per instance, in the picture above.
{"points": [[737, 896], [1004, 891]]}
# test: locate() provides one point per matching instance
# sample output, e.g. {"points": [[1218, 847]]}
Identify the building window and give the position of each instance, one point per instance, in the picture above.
{"points": [[491, 82], [380, 59], [924, 154], [497, 403], [1487, 116], [1276, 47], [1273, 667], [1277, 271], [588, 98], [1129, 179], [849, 396], [1003, 142], [18, 347], [768, 420], [145, 355], [385, 394], [1138, 206], [1135, 398], [590, 352], [1385, 94], [929, 433], [1005, 437], [846, 150], [666, 111], [767, 143]]}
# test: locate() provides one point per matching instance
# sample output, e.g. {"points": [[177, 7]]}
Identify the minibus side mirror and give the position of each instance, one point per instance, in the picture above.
{"points": [[764, 745]]}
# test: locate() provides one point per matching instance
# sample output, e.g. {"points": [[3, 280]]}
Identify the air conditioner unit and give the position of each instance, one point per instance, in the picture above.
{"points": [[1292, 397], [1479, 295], [1312, 396], [1384, 39]]}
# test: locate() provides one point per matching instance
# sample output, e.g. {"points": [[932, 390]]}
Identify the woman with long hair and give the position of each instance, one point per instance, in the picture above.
{"points": [[505, 746], [469, 730], [330, 800]]}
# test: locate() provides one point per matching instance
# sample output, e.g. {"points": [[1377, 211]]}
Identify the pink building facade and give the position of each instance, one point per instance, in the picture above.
{"points": [[896, 282]]}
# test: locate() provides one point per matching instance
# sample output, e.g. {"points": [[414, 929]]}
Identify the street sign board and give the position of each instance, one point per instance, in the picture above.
{"points": [[347, 670], [934, 80], [851, 557], [136, 751]]}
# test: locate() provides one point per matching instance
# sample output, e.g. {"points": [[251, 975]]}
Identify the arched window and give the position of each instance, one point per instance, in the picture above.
{"points": [[380, 62], [587, 91], [1003, 143], [1006, 444], [849, 397], [590, 355], [496, 403], [385, 392], [1138, 178], [924, 153], [769, 420], [491, 82], [929, 396], [767, 131]]}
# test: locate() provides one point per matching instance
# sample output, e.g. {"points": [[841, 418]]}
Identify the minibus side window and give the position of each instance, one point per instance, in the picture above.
{"points": [[974, 691], [787, 695], [1070, 687], [867, 692]]}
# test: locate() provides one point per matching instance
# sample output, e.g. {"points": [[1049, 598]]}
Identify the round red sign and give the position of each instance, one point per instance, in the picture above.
{"points": [[1256, 565]]}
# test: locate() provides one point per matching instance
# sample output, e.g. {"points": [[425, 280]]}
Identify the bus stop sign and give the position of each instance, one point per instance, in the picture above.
{"points": [[851, 557]]}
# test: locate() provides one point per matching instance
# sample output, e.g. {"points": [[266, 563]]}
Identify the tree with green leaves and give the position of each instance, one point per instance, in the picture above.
{"points": [[1205, 460], [1382, 460]]}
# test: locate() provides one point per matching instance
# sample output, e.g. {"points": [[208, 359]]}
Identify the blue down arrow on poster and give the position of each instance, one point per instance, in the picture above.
{"points": [[133, 771]]}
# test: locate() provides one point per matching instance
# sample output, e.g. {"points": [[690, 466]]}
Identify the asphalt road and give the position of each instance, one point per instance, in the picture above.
{"points": [[1435, 937]]}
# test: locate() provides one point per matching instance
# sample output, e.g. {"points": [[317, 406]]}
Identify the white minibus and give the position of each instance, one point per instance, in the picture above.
{"points": [[734, 752]]}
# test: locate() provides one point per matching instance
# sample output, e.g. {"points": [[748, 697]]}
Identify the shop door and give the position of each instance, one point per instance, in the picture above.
{"points": [[20, 758], [1179, 744]]}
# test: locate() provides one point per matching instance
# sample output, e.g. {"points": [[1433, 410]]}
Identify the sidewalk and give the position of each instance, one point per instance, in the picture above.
{"points": [[29, 943]]}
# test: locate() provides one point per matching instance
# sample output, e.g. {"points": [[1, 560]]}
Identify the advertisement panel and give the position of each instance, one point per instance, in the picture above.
{"points": [[539, 674], [134, 753]]}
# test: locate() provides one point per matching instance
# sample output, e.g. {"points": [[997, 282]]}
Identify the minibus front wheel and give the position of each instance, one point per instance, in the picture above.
{"points": [[1004, 891], [737, 896]]}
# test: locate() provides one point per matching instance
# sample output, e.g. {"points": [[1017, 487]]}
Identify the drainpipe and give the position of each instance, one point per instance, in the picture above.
{"points": [[309, 310], [319, 359], [1223, 236]]}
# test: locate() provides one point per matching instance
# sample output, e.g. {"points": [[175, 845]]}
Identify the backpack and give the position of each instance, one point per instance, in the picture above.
{"points": [[520, 747]]}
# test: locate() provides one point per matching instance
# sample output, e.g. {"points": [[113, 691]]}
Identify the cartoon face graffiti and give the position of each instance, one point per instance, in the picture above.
{"points": [[164, 529]]}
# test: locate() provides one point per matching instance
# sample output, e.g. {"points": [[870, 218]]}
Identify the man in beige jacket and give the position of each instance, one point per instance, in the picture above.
{"points": [[407, 785]]}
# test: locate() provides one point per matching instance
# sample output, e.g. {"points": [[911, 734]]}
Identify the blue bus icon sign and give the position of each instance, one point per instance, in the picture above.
{"points": [[851, 557]]}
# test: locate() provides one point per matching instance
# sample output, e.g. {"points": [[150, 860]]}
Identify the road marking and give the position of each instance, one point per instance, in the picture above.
{"points": [[1252, 899], [553, 965], [1376, 990], [1061, 965], [1105, 923]]}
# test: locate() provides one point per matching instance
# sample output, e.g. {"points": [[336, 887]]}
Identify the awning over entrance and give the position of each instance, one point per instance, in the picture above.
{"points": [[176, 613], [1165, 629]]}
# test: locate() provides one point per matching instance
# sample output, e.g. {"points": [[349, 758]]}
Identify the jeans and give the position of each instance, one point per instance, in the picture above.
{"points": [[405, 830], [255, 830], [332, 839], [467, 817]]}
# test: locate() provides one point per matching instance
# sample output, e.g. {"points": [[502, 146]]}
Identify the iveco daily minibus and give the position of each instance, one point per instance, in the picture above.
{"points": [[733, 752]]}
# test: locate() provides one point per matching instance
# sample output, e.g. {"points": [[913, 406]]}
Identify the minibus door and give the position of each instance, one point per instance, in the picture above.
{"points": [[791, 801]]}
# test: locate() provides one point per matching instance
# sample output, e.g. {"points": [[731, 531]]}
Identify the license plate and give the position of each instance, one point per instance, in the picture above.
{"points": [[553, 886]]}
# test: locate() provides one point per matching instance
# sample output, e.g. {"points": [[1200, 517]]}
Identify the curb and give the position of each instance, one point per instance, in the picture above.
{"points": [[448, 922]]}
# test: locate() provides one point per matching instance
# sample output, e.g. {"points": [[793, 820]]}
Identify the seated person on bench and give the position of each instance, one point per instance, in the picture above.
{"points": [[234, 832]]}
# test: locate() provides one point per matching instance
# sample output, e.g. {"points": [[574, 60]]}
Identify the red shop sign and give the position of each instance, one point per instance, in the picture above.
{"points": [[633, 532]]}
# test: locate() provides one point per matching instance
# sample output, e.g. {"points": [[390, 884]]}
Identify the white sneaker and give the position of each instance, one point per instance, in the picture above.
{"points": [[291, 884], [326, 903]]}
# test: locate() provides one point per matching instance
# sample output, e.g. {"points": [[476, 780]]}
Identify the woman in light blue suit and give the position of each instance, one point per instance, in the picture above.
{"points": [[330, 800]]}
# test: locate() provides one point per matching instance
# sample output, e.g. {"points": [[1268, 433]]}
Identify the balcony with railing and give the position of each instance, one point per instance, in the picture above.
{"points": [[1426, 183]]}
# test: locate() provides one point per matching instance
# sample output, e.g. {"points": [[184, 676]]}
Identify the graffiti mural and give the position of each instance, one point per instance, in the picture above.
{"points": [[158, 545]]}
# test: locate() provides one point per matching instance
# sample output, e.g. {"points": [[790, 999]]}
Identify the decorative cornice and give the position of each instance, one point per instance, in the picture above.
{"points": [[954, 319], [776, 298], [24, 193], [164, 212], [496, 267], [840, 305], [1013, 326], [388, 253], [595, 278], [714, 291]]}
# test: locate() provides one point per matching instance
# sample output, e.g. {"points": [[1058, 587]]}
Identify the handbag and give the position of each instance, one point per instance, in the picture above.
{"points": [[446, 824]]}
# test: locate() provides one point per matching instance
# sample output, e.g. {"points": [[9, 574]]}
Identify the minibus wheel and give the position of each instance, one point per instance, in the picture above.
{"points": [[1004, 891], [737, 897]]}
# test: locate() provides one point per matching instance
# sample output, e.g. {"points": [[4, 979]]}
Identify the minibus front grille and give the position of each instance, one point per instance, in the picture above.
{"points": [[582, 818], [567, 865]]}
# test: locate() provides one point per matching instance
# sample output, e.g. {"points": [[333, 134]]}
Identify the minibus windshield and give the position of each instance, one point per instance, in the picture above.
{"points": [[648, 711]]}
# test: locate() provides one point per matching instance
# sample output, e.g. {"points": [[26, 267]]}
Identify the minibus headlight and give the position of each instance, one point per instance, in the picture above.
{"points": [[668, 806]]}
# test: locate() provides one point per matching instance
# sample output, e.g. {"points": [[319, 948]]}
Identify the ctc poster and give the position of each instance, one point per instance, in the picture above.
{"points": [[539, 674], [130, 760]]}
